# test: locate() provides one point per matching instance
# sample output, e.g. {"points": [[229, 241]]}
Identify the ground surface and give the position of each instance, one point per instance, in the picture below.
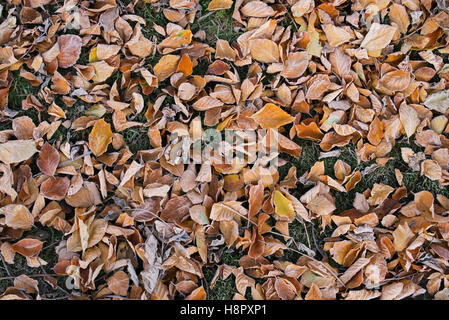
{"points": [[217, 25]]}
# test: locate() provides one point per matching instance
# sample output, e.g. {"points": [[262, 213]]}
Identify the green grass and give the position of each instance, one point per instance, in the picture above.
{"points": [[19, 90], [217, 25], [51, 238], [223, 289], [136, 139]]}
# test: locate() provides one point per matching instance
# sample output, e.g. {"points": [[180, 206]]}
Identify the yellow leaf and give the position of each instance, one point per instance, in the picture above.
{"points": [[282, 206], [93, 55], [166, 67], [219, 5], [314, 47]]}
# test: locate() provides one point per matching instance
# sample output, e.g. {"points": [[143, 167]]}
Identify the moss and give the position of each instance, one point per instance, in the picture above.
{"points": [[231, 257], [309, 155], [223, 289], [147, 12], [19, 90], [84, 56], [136, 139], [298, 232], [216, 24]]}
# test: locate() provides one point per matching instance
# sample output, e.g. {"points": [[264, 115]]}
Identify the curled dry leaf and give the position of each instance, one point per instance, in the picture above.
{"points": [[17, 216], [28, 247], [322, 98], [257, 9], [177, 40]]}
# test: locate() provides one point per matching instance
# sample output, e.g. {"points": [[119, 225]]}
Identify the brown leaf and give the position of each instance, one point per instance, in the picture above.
{"points": [[395, 80], [17, 151], [118, 283], [55, 188], [28, 247], [176, 209], [17, 216], [70, 49], [100, 137], [255, 199], [23, 127], [295, 65], [378, 36], [257, 245], [285, 289], [48, 159]]}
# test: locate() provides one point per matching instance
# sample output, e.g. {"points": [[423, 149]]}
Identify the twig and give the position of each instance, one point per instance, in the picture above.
{"points": [[293, 20], [316, 245], [410, 34], [6, 267], [397, 278], [34, 276], [56, 298], [322, 263], [205, 16], [49, 246], [307, 232], [74, 159], [114, 296], [45, 272]]}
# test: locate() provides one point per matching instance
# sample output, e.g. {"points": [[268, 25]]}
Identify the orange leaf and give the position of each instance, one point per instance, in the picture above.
{"points": [[100, 137], [271, 116], [28, 247]]}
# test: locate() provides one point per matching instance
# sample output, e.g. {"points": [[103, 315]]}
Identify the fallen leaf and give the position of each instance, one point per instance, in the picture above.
{"points": [[100, 137], [17, 151]]}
